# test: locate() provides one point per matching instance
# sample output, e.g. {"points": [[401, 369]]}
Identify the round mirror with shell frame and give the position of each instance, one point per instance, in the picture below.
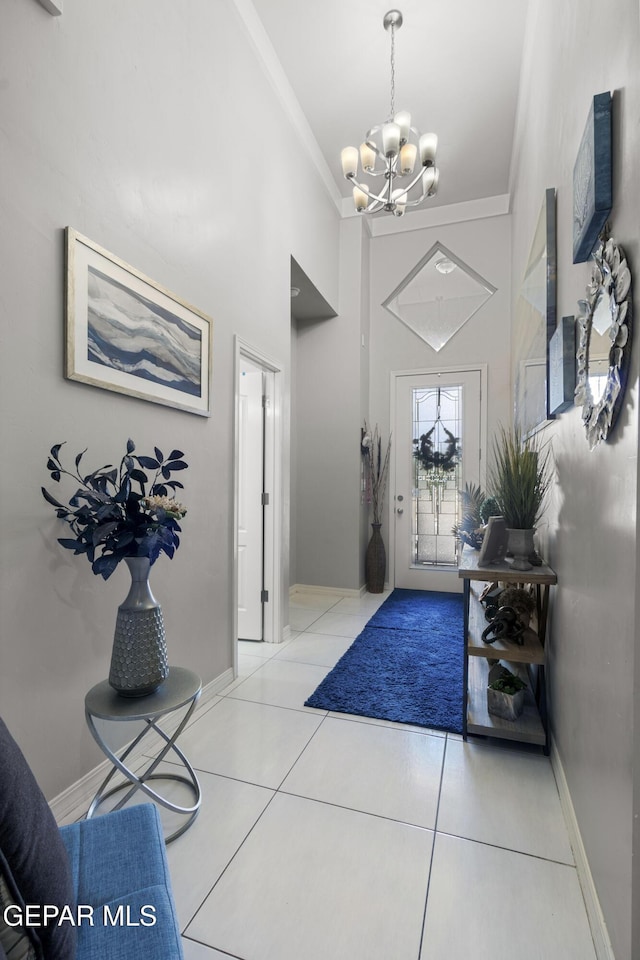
{"points": [[604, 346]]}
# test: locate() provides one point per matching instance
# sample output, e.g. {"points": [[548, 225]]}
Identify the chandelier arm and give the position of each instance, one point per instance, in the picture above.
{"points": [[392, 176], [417, 202], [370, 142], [417, 177], [365, 189], [376, 173]]}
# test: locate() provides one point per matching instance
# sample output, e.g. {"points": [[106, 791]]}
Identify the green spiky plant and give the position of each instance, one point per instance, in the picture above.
{"points": [[470, 530], [508, 683], [520, 478]]}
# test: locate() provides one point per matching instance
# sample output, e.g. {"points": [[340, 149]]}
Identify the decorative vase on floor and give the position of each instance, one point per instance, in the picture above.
{"points": [[376, 561], [139, 657], [521, 546]]}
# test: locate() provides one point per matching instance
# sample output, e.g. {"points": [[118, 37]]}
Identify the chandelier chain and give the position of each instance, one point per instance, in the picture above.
{"points": [[393, 71]]}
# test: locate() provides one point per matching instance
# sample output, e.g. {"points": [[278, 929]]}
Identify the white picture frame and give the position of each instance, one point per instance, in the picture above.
{"points": [[126, 333]]}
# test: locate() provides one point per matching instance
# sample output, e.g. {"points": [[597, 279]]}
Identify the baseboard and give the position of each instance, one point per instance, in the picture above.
{"points": [[325, 591], [601, 941], [72, 803]]}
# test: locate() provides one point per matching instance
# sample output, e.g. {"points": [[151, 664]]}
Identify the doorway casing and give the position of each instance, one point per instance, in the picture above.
{"points": [[273, 486], [430, 371]]}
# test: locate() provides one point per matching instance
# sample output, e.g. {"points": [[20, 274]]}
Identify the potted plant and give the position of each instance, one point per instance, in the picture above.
{"points": [[505, 694], [122, 513], [520, 478], [476, 510], [110, 519], [470, 530]]}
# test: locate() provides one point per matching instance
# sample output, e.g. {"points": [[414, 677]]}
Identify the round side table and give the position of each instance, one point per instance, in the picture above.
{"points": [[181, 689]]}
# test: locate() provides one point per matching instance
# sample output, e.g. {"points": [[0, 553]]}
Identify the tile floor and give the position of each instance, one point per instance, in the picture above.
{"points": [[329, 837]]}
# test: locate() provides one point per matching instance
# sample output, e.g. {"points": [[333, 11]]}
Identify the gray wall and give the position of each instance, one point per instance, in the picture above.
{"points": [[571, 56], [137, 124], [329, 518]]}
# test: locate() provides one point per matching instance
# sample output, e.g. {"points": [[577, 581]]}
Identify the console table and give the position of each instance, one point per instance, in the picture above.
{"points": [[181, 690], [528, 660]]}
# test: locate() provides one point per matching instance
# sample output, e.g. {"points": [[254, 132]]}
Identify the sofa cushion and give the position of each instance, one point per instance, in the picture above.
{"points": [[120, 870], [33, 860]]}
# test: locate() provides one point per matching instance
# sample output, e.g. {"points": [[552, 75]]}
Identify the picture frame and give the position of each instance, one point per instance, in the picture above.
{"points": [[592, 180], [126, 333], [494, 544], [562, 366], [535, 312]]}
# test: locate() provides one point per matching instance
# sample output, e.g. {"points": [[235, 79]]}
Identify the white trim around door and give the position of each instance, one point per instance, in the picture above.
{"points": [[272, 627], [395, 375]]}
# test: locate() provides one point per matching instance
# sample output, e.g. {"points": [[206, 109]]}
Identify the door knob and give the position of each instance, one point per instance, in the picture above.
{"points": [[400, 510]]}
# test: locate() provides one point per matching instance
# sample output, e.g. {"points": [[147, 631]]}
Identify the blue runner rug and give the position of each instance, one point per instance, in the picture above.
{"points": [[406, 665]]}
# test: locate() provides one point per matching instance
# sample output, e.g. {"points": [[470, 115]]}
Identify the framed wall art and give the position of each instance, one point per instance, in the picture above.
{"points": [[535, 315], [562, 366], [125, 332], [592, 189]]}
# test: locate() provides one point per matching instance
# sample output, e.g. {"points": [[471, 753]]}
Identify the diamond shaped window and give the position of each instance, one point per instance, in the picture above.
{"points": [[437, 298]]}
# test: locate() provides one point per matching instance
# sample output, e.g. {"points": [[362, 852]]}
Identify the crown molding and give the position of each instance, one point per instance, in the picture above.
{"points": [[288, 100], [441, 216]]}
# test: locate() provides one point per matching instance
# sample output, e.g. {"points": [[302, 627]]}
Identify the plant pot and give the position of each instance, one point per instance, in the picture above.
{"points": [[521, 546], [375, 561], [139, 656], [508, 706]]}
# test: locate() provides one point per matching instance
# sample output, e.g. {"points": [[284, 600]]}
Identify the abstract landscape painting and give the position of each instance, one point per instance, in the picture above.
{"points": [[128, 334]]}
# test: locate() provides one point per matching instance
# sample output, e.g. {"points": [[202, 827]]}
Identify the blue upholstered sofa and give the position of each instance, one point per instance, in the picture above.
{"points": [[94, 890]]}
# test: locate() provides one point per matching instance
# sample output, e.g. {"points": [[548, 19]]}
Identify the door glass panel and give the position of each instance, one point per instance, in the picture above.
{"points": [[437, 474]]}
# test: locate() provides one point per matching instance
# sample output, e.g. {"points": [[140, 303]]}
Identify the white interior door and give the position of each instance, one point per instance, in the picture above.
{"points": [[426, 500], [250, 502]]}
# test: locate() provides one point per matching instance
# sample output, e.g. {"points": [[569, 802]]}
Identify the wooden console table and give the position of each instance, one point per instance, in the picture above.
{"points": [[528, 660]]}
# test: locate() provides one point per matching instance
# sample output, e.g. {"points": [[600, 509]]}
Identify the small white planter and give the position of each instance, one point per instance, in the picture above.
{"points": [[507, 706]]}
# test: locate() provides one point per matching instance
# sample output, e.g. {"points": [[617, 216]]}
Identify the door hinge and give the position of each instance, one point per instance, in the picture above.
{"points": [[264, 400], [265, 499], [264, 596]]}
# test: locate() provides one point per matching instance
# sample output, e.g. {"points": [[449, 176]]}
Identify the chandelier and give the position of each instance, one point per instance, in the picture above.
{"points": [[390, 150]]}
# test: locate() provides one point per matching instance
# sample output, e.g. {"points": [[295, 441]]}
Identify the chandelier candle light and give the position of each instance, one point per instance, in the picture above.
{"points": [[391, 150]]}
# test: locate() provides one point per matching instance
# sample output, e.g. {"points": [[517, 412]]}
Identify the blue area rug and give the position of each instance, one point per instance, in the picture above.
{"points": [[406, 665]]}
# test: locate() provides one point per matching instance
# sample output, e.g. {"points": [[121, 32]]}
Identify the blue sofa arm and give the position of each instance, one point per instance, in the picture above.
{"points": [[122, 886]]}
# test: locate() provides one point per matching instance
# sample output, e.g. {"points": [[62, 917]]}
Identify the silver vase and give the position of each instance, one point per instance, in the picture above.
{"points": [[139, 657]]}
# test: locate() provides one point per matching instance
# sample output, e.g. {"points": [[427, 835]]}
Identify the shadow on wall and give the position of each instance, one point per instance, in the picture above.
{"points": [[307, 304]]}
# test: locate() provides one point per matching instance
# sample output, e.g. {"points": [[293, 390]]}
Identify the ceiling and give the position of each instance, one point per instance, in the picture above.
{"points": [[457, 72]]}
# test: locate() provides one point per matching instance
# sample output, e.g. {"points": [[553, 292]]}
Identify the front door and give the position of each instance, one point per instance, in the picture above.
{"points": [[437, 451]]}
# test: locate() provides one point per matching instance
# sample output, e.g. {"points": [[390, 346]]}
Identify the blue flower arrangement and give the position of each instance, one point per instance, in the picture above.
{"points": [[117, 512]]}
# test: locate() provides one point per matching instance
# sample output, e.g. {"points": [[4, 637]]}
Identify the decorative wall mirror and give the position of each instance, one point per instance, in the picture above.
{"points": [[536, 323], [438, 296], [604, 346]]}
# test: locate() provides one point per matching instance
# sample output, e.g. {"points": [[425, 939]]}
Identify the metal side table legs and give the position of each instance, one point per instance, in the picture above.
{"points": [[181, 690]]}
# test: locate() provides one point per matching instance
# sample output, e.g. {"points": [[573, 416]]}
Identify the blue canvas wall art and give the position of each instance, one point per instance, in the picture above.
{"points": [[592, 187], [126, 333], [129, 332]]}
